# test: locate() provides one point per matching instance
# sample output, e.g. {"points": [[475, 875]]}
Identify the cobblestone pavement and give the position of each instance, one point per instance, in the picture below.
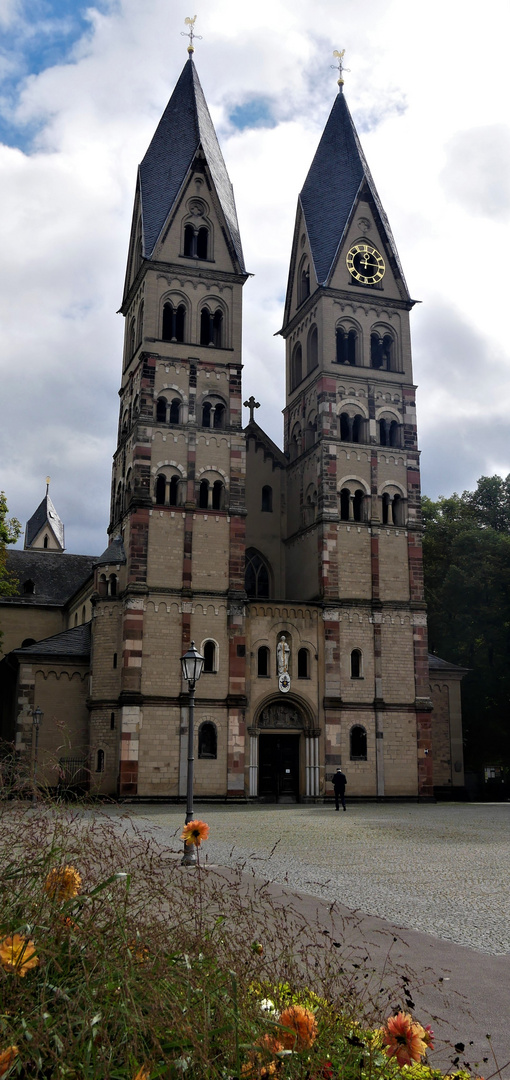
{"points": [[441, 868]]}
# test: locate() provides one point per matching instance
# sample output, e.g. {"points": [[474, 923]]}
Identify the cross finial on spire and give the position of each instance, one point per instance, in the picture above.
{"points": [[251, 404], [190, 33], [48, 478], [340, 56]]}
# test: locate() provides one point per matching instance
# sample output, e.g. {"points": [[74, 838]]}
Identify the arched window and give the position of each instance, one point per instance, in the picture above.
{"points": [[132, 337], [386, 508], [196, 244], [161, 410], [352, 428], [31, 641], [211, 327], [219, 417], [303, 664], [174, 322], [139, 335], [346, 345], [296, 366], [209, 651], [160, 489], [206, 414], [29, 587], [267, 499], [100, 761], [202, 243], [217, 329], [295, 442], [358, 505], [356, 658], [83, 614], [358, 743], [345, 503], [312, 349], [310, 433], [207, 740], [256, 579], [357, 429], [175, 411], [102, 588], [112, 585], [203, 495], [173, 493], [189, 240], [303, 282], [381, 351], [263, 662], [398, 510], [218, 495], [45, 541]]}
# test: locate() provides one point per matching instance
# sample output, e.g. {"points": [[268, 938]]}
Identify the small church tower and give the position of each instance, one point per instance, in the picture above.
{"points": [[44, 530], [353, 486], [178, 486]]}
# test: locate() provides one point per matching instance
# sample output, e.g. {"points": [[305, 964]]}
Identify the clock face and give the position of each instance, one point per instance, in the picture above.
{"points": [[365, 264]]}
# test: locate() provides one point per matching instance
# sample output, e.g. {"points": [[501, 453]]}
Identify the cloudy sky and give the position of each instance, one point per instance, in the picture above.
{"points": [[81, 91]]}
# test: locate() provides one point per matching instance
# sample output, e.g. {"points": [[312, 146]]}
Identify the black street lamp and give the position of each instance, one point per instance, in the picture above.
{"points": [[192, 664], [37, 716]]}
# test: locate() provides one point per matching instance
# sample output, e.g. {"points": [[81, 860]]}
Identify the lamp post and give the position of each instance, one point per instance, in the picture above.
{"points": [[192, 664], [37, 716]]}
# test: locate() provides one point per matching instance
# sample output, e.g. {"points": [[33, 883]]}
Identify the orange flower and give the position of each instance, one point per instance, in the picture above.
{"points": [[404, 1039], [7, 1058], [194, 832], [17, 954], [143, 1073], [63, 883], [303, 1028]]}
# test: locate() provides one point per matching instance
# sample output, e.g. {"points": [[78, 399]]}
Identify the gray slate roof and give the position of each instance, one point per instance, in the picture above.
{"points": [[56, 576], [337, 174], [44, 515], [184, 127], [114, 553], [74, 642], [438, 665]]}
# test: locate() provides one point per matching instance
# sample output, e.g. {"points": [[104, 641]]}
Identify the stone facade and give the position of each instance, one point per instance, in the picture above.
{"points": [[297, 573]]}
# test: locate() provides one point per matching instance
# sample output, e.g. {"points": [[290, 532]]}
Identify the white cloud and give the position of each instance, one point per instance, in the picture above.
{"points": [[432, 121]]}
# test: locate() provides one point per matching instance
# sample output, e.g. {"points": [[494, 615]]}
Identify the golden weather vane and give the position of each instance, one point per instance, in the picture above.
{"points": [[340, 56], [190, 33]]}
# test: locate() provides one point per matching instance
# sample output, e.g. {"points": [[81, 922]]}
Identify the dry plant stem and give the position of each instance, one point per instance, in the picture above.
{"points": [[158, 967]]}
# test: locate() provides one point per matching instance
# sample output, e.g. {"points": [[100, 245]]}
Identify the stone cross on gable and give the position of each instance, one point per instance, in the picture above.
{"points": [[251, 404]]}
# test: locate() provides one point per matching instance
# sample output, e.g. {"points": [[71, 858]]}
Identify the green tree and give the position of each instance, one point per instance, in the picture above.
{"points": [[10, 530], [467, 586]]}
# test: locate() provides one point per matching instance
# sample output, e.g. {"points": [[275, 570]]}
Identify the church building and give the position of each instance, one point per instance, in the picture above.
{"points": [[296, 572]]}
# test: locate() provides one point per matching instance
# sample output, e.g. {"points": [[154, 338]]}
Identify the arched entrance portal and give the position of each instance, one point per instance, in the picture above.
{"points": [[279, 767], [284, 752]]}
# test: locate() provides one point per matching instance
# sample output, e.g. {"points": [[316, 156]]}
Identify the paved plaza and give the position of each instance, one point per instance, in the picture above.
{"points": [[443, 869]]}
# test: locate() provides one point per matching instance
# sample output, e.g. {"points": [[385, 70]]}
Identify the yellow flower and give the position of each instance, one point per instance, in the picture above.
{"points": [[194, 832], [63, 883], [17, 954], [303, 1028], [7, 1058]]}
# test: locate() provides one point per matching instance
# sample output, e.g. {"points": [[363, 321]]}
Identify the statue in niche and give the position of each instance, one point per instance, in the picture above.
{"points": [[282, 659]]}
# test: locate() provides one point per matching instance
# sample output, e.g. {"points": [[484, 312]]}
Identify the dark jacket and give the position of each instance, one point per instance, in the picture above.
{"points": [[339, 781]]}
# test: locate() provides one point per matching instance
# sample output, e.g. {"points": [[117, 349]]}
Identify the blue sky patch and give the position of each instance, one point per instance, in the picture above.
{"points": [[42, 36], [256, 112]]}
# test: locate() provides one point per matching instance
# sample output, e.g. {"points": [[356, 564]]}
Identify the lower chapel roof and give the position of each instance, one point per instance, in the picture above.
{"points": [[73, 643], [55, 576]]}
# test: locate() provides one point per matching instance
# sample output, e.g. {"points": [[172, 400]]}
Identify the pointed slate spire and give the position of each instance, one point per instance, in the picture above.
{"points": [[185, 126], [337, 174], [45, 516]]}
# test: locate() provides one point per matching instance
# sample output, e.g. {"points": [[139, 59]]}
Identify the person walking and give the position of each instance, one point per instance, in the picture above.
{"points": [[339, 782]]}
